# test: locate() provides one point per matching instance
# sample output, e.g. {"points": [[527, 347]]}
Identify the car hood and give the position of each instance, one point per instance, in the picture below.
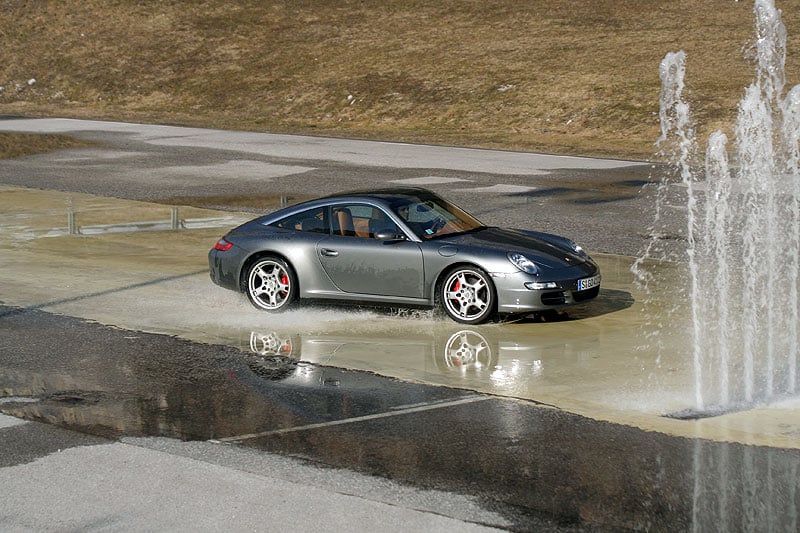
{"points": [[537, 247]]}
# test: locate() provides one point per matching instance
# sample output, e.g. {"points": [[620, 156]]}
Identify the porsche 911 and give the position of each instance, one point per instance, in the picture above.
{"points": [[400, 247]]}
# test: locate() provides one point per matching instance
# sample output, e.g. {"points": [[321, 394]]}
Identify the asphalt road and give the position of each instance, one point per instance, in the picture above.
{"points": [[188, 436], [108, 428], [598, 203]]}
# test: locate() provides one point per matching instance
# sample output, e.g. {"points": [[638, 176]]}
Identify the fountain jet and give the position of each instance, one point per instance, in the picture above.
{"points": [[742, 232]]}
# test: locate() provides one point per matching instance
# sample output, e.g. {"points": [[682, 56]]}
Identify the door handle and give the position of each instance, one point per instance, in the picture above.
{"points": [[328, 252]]}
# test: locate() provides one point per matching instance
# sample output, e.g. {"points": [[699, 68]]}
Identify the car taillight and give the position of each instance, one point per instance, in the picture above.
{"points": [[223, 245]]}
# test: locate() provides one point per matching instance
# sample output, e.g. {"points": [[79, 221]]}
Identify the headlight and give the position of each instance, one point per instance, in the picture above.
{"points": [[577, 248], [523, 263]]}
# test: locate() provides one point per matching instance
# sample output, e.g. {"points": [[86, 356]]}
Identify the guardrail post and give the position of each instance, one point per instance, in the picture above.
{"points": [[72, 229], [176, 221]]}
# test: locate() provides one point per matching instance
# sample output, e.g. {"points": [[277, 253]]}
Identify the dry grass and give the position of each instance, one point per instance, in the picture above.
{"points": [[20, 144], [565, 76]]}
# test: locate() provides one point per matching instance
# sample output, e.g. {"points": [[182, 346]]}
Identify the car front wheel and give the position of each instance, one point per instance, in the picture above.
{"points": [[271, 284], [467, 295]]}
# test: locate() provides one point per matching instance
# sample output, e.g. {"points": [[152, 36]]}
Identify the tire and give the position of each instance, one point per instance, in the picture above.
{"points": [[468, 295], [271, 284]]}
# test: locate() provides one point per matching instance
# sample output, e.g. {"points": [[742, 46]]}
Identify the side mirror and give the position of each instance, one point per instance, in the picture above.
{"points": [[389, 235]]}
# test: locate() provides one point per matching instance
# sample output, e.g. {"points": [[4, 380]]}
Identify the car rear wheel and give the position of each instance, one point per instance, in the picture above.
{"points": [[467, 295], [271, 284]]}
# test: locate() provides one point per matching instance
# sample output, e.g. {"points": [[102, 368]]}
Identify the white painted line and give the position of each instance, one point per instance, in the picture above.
{"points": [[502, 188], [420, 408], [18, 399], [427, 180], [10, 421], [409, 406]]}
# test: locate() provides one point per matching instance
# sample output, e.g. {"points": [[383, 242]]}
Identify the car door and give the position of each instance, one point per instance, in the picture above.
{"points": [[358, 262]]}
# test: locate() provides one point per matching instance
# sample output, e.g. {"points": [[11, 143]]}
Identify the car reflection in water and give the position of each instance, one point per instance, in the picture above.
{"points": [[463, 351], [522, 359], [466, 358]]}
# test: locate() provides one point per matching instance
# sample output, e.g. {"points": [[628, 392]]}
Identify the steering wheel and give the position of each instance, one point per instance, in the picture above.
{"points": [[438, 223]]}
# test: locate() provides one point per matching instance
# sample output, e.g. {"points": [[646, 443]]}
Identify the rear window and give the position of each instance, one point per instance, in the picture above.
{"points": [[312, 221]]}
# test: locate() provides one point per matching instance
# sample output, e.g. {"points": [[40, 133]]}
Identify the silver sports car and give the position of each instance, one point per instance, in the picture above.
{"points": [[402, 246]]}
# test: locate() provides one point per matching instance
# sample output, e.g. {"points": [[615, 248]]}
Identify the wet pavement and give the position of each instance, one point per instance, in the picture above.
{"points": [[111, 327], [532, 466], [595, 360]]}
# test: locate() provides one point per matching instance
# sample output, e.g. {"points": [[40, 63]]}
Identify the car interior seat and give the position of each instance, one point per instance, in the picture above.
{"points": [[344, 222]]}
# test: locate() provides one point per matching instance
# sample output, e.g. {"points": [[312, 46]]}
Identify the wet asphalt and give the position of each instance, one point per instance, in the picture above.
{"points": [[529, 467], [536, 467]]}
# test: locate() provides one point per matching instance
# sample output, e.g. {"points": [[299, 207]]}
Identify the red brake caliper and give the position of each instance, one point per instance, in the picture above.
{"points": [[285, 280], [455, 287]]}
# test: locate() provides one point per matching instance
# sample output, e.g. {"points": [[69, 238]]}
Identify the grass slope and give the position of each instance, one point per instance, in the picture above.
{"points": [[562, 76]]}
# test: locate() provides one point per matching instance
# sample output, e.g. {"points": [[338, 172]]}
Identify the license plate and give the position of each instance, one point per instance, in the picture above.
{"points": [[588, 283]]}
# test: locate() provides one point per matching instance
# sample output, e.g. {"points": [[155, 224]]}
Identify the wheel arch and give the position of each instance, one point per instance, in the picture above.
{"points": [[255, 256], [437, 283]]}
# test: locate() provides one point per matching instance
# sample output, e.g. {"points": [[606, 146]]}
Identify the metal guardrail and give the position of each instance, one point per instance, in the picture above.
{"points": [[174, 223]]}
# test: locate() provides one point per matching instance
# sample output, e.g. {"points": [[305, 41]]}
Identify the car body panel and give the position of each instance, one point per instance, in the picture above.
{"points": [[548, 254], [371, 266], [358, 247]]}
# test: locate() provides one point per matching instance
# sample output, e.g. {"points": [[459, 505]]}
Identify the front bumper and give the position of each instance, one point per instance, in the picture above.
{"points": [[514, 297]]}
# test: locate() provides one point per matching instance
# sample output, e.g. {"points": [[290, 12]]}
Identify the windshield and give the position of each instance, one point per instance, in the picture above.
{"points": [[433, 217]]}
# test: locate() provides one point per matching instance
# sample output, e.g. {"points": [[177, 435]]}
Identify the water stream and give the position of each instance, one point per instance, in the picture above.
{"points": [[742, 234]]}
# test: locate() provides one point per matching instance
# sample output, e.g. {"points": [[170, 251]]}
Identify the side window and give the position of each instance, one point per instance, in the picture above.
{"points": [[360, 220], [380, 222], [312, 220]]}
